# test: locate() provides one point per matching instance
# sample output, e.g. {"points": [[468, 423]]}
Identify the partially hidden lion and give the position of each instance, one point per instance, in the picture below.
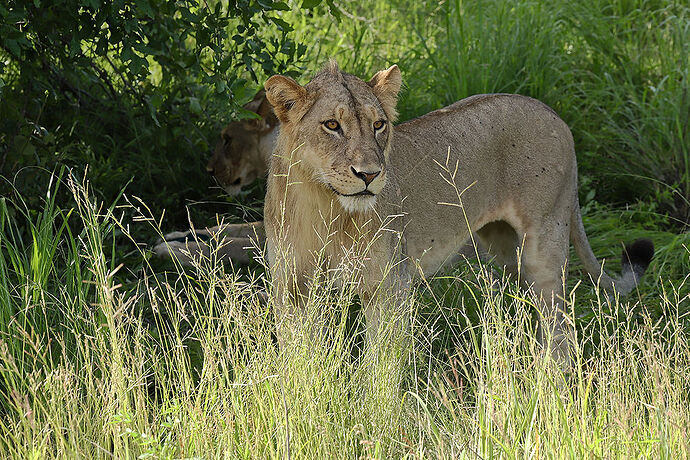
{"points": [[500, 165], [245, 147], [241, 155]]}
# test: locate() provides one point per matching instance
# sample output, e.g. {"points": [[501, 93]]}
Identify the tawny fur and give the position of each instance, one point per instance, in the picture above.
{"points": [[514, 181], [515, 168], [243, 152]]}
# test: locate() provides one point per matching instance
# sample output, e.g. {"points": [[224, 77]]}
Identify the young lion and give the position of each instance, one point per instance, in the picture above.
{"points": [[341, 174], [241, 156], [245, 147]]}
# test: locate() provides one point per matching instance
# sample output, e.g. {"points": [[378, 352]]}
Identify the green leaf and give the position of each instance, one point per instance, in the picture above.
{"points": [[13, 47], [156, 101], [224, 64], [137, 64], [194, 105], [281, 6], [188, 15], [126, 53], [308, 4], [282, 25], [221, 86]]}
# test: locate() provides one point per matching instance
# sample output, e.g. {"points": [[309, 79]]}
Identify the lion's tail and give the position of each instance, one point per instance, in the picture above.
{"points": [[636, 257]]}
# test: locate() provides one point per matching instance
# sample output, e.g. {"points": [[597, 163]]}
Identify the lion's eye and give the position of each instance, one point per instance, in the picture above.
{"points": [[331, 124], [379, 124]]}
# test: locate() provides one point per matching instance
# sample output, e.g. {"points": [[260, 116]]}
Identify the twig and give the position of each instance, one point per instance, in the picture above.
{"points": [[125, 80]]}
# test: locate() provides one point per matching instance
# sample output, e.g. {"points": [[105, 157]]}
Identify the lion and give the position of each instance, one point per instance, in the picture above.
{"points": [[241, 156], [245, 147], [500, 165]]}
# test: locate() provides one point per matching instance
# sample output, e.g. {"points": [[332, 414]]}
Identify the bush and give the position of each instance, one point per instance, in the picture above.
{"points": [[138, 88]]}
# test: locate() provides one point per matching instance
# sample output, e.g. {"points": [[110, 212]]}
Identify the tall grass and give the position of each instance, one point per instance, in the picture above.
{"points": [[185, 365], [617, 71]]}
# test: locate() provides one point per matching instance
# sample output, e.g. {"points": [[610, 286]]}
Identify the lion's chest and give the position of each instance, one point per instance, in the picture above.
{"points": [[344, 247]]}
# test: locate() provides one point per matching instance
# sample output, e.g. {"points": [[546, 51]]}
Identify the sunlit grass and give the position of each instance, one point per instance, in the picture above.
{"points": [[185, 364]]}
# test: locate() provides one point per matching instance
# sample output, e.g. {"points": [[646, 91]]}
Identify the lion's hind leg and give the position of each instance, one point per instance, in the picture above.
{"points": [[544, 264]]}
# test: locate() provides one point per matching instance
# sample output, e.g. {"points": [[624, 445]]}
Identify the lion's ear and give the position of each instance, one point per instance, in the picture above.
{"points": [[287, 97], [267, 115], [254, 104], [261, 106], [386, 85]]}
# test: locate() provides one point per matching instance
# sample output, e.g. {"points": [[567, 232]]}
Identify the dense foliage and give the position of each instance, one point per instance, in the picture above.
{"points": [[139, 89], [134, 88]]}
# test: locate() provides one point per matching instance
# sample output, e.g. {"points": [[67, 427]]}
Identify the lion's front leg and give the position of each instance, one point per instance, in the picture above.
{"points": [[388, 338], [289, 292], [386, 304], [233, 242]]}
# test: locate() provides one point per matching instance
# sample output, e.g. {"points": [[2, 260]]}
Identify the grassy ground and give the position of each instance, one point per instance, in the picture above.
{"points": [[106, 352]]}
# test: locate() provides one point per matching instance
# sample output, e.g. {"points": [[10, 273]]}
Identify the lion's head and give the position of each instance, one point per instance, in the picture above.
{"points": [[240, 155], [339, 128]]}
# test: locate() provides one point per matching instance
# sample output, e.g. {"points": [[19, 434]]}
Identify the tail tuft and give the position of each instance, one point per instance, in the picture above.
{"points": [[637, 256]]}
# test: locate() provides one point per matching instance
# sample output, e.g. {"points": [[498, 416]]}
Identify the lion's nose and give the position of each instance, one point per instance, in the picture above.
{"points": [[367, 177]]}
